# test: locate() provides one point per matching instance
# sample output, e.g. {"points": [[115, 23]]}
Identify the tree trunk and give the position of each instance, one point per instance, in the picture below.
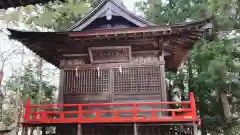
{"points": [[40, 72], [18, 119], [201, 106], [190, 74], [226, 111], [226, 107]]}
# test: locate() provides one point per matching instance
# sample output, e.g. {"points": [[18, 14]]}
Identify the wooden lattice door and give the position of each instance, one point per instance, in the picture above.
{"points": [[113, 85], [86, 86], [135, 83]]}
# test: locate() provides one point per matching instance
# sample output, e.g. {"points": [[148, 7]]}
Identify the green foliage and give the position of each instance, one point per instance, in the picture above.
{"points": [[216, 72], [94, 3], [215, 68], [173, 11], [216, 63], [235, 130], [176, 85], [53, 15], [59, 15], [9, 110], [212, 70], [227, 13], [30, 85]]}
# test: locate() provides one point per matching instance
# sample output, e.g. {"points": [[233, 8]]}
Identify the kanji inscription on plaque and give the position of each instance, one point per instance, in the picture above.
{"points": [[110, 54]]}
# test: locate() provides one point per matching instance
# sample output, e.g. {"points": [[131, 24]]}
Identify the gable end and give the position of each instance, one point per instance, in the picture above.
{"points": [[109, 8]]}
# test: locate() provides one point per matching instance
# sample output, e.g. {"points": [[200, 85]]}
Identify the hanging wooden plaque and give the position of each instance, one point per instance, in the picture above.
{"points": [[110, 54]]}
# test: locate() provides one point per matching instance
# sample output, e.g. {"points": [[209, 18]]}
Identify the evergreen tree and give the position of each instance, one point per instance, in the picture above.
{"points": [[29, 88], [212, 69]]}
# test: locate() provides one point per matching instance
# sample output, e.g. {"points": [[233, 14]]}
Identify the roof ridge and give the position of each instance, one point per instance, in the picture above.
{"points": [[86, 16], [133, 14], [118, 5], [119, 1]]}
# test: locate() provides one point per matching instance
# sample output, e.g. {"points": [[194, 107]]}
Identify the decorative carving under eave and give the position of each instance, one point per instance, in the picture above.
{"points": [[144, 60], [71, 62]]}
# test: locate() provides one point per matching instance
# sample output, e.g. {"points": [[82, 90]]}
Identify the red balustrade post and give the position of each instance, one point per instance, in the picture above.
{"points": [[193, 106], [98, 114], [61, 116], [134, 110], [154, 113], [173, 114], [27, 109], [43, 116], [80, 113], [115, 113]]}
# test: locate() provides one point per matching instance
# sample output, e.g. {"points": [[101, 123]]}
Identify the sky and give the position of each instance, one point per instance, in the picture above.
{"points": [[129, 4]]}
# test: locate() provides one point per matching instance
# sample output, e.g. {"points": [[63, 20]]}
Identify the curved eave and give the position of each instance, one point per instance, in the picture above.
{"points": [[51, 45]]}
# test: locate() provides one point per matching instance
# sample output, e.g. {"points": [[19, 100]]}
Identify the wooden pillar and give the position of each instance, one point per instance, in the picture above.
{"points": [[60, 97], [135, 127], [43, 130], [79, 129], [163, 82], [61, 85]]}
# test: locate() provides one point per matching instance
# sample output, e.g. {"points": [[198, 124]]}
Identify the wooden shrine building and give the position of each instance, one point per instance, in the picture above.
{"points": [[112, 78]]}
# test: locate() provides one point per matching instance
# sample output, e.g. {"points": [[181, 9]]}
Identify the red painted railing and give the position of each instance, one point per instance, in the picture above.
{"points": [[40, 114]]}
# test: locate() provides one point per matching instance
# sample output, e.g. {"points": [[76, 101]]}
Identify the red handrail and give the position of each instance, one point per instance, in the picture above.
{"points": [[115, 110]]}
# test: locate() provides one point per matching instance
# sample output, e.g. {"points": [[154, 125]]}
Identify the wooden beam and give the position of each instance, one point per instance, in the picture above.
{"points": [[120, 40], [109, 65], [135, 53], [120, 31]]}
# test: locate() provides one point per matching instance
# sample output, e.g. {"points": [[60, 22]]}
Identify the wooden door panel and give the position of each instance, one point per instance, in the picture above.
{"points": [[137, 84], [87, 86]]}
